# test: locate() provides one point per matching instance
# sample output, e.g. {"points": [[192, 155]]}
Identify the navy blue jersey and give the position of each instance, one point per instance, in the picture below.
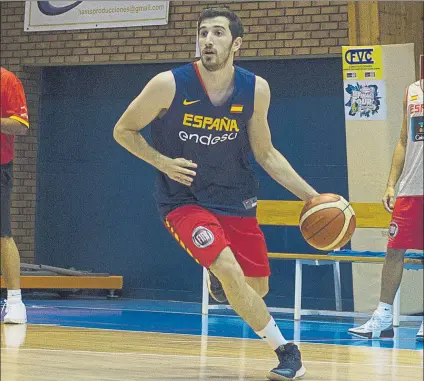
{"points": [[213, 137]]}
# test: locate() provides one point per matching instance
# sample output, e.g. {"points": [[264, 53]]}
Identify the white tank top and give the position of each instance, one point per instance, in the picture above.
{"points": [[411, 180]]}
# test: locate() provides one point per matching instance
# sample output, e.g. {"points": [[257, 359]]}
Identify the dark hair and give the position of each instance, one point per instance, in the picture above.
{"points": [[236, 27]]}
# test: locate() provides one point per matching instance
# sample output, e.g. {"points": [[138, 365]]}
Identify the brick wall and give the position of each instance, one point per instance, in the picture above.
{"points": [[273, 29], [401, 22]]}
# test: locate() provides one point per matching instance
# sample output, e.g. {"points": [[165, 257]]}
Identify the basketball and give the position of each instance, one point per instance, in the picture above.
{"points": [[327, 222]]}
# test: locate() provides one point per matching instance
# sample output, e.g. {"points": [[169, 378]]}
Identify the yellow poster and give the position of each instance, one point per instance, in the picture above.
{"points": [[362, 62]]}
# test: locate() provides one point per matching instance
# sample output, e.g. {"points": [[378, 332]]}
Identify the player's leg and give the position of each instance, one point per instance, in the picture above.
{"points": [[260, 285], [391, 275], [248, 272], [250, 306], [200, 233], [381, 323], [249, 247], [403, 233], [10, 261]]}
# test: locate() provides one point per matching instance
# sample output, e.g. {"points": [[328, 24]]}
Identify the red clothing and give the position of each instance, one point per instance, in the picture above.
{"points": [[204, 235], [13, 106], [406, 228]]}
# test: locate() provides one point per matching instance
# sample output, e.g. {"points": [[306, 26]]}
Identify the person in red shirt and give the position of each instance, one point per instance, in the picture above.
{"points": [[14, 121]]}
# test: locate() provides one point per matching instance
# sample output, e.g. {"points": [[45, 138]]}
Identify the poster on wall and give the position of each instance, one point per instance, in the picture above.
{"points": [[67, 15], [362, 62], [364, 87], [365, 100]]}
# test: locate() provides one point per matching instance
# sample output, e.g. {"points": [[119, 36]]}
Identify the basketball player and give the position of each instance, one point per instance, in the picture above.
{"points": [[206, 118], [406, 227], [14, 121]]}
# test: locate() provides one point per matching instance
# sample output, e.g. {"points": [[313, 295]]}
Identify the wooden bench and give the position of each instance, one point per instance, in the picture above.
{"points": [[111, 283], [286, 213]]}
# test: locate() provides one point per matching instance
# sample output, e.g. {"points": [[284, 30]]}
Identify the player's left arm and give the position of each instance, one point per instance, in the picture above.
{"points": [[271, 160], [16, 108]]}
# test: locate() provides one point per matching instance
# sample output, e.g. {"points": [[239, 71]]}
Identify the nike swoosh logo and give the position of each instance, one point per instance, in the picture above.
{"points": [[50, 10], [188, 103]]}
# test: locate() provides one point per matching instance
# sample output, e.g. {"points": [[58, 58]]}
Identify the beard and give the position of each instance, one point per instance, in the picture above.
{"points": [[215, 62]]}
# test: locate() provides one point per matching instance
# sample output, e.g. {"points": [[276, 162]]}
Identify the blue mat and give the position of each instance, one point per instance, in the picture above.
{"points": [[353, 253]]}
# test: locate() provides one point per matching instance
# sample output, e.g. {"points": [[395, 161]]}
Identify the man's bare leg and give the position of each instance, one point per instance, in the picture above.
{"points": [[11, 271], [391, 275], [381, 323], [10, 263], [250, 306]]}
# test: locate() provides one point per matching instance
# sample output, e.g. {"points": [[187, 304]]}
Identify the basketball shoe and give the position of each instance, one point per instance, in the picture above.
{"points": [[215, 288], [379, 326], [15, 313], [420, 334], [13, 335], [290, 366]]}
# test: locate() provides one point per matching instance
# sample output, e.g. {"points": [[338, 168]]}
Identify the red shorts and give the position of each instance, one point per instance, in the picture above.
{"points": [[406, 228], [204, 235]]}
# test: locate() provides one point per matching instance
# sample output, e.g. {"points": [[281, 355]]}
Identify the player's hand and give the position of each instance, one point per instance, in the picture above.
{"points": [[180, 170], [389, 199]]}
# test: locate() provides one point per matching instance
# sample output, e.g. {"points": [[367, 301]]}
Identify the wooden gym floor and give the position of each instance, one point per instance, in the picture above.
{"points": [[129, 340]]}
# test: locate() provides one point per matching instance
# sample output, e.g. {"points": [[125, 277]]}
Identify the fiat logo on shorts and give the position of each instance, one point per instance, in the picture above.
{"points": [[202, 237], [393, 229]]}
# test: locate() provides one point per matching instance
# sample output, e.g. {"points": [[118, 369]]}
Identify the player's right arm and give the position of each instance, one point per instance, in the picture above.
{"points": [[398, 162], [154, 99]]}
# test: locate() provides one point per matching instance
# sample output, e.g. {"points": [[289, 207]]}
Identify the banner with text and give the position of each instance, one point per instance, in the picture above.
{"points": [[362, 62], [363, 82], [66, 15]]}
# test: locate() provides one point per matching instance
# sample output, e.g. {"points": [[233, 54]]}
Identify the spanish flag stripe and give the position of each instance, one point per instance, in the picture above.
{"points": [[236, 108], [178, 239]]}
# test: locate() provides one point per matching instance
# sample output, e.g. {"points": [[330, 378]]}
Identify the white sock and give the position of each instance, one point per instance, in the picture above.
{"points": [[14, 296], [272, 335], [384, 309]]}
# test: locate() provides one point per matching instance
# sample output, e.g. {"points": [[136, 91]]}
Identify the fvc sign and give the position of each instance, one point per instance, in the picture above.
{"points": [[362, 62]]}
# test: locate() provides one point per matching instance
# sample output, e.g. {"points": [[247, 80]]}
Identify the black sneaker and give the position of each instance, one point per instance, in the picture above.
{"points": [[215, 288], [290, 366]]}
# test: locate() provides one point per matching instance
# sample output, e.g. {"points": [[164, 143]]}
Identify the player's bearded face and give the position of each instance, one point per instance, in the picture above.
{"points": [[215, 43], [214, 59]]}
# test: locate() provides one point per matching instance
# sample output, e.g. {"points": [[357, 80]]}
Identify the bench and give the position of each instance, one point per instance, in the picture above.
{"points": [[286, 213], [111, 283]]}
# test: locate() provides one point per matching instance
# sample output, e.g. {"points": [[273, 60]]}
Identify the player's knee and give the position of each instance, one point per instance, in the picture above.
{"points": [[261, 288], [229, 274], [226, 268], [264, 289]]}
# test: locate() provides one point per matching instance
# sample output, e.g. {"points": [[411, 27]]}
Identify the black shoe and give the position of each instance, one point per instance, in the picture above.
{"points": [[215, 288], [290, 366]]}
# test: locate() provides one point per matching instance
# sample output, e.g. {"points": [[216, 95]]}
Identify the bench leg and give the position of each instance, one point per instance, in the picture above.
{"points": [[112, 294], [205, 293], [337, 286], [396, 309], [298, 290]]}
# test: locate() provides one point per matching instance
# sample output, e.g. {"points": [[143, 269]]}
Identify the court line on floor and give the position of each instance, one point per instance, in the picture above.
{"points": [[195, 313], [135, 354]]}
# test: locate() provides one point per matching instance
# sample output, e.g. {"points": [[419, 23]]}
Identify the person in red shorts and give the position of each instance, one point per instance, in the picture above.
{"points": [[406, 227], [14, 121], [206, 118]]}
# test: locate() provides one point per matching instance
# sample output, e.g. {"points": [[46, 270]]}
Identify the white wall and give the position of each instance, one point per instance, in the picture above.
{"points": [[370, 146]]}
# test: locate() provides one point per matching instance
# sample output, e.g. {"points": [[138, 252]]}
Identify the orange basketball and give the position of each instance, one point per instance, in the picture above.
{"points": [[327, 222]]}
